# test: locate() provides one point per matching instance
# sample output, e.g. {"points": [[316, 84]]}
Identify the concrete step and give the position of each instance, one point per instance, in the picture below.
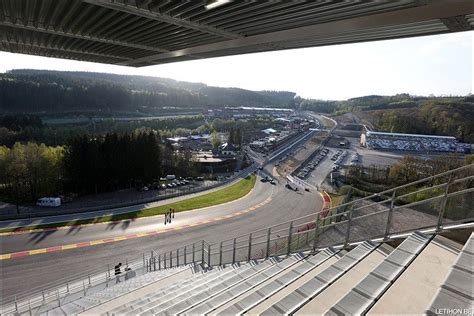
{"points": [[457, 291], [366, 293], [309, 289], [338, 289], [419, 283]]}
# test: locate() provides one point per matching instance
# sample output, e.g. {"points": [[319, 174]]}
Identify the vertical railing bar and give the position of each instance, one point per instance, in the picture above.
{"points": [[390, 214], [443, 203], [289, 239], [349, 223], [250, 248], [209, 255], [268, 243], [220, 254], [233, 250]]}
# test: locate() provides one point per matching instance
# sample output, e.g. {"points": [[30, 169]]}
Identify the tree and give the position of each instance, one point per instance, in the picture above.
{"points": [[215, 139]]}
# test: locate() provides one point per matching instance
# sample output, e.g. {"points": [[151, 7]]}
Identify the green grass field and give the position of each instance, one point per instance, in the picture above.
{"points": [[228, 194]]}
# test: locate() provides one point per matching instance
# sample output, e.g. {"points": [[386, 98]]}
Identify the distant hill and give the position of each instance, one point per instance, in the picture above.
{"points": [[38, 91]]}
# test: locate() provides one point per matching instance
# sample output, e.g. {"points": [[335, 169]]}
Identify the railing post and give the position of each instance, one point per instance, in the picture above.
{"points": [[250, 248], [177, 257], [143, 260], [193, 253], [220, 254], [268, 243], [316, 227], [89, 277], [390, 214], [349, 223], [171, 259], [16, 304], [185, 255], [233, 250], [442, 206], [164, 260], [202, 253], [289, 239], [67, 287], [208, 255], [159, 263]]}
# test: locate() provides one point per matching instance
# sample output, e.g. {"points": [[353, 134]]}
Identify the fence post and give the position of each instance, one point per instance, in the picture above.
{"points": [[84, 286], [289, 239], [208, 255], [220, 254], [143, 260], [442, 206], [164, 260], [171, 259], [177, 257], [250, 248], [67, 287], [16, 304], [349, 222], [390, 214], [193, 253], [268, 243], [42, 292], [233, 250], [159, 263], [185, 255], [89, 277]]}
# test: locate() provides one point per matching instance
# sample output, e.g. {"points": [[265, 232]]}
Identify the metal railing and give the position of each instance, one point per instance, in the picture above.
{"points": [[436, 202]]}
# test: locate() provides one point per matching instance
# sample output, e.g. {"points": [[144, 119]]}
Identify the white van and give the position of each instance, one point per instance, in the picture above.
{"points": [[49, 202], [170, 177]]}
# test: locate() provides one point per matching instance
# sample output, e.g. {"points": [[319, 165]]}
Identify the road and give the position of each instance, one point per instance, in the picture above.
{"points": [[108, 243]]}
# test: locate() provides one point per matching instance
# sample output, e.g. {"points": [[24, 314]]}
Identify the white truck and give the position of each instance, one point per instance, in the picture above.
{"points": [[49, 202]]}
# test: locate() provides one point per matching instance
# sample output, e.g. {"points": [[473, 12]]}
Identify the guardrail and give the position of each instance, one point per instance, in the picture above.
{"points": [[59, 292]]}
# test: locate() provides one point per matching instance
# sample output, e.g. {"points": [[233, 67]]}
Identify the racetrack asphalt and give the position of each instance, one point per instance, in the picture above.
{"points": [[264, 206]]}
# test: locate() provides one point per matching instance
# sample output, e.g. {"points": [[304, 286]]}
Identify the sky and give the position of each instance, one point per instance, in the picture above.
{"points": [[429, 65]]}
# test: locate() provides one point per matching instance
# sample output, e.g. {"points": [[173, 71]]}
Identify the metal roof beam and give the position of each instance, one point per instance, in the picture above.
{"points": [[436, 10], [153, 15], [59, 49], [79, 36]]}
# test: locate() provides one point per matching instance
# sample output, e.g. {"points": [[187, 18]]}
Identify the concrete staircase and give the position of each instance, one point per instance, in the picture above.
{"points": [[415, 275]]}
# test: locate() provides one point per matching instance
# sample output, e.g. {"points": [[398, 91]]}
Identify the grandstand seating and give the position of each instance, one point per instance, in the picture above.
{"points": [[410, 142], [427, 272]]}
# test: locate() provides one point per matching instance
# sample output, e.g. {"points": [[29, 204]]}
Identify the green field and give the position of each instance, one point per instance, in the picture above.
{"points": [[228, 194]]}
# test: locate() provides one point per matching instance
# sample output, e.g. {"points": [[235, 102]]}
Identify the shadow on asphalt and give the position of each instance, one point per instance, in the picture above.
{"points": [[37, 237], [73, 229]]}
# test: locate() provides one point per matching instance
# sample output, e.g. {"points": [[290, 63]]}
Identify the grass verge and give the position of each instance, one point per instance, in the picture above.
{"points": [[228, 194]]}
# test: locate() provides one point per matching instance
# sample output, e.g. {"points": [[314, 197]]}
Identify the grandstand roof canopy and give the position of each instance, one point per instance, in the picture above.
{"points": [[147, 32], [370, 133]]}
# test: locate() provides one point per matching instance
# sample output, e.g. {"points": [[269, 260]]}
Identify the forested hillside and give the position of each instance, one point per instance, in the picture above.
{"points": [[37, 91]]}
